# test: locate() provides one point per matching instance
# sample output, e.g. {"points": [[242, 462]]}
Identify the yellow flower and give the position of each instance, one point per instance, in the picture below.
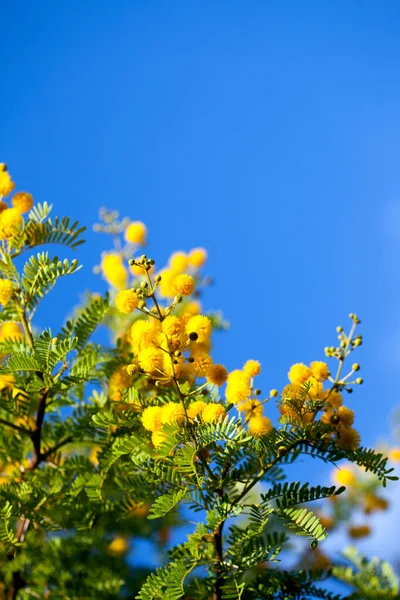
{"points": [[359, 531], [373, 503], [346, 416], [144, 334], [126, 301], [192, 308], [172, 326], [120, 380], [237, 388], [252, 368], [6, 382], [259, 425], [394, 455], [158, 438], [315, 390], [344, 476], [10, 221], [202, 363], [6, 291], [113, 270], [199, 325], [173, 412], [217, 374], [348, 438], [253, 408], [166, 285], [178, 262], [151, 360], [151, 418], [183, 284], [213, 412], [197, 257], [22, 201], [299, 373], [170, 367], [10, 330], [6, 185], [195, 409], [319, 370], [334, 399], [136, 233], [118, 546]]}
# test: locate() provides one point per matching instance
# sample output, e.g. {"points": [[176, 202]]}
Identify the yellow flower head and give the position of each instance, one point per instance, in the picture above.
{"points": [[6, 184], [195, 409], [348, 438], [10, 221], [6, 291], [151, 418], [319, 370], [199, 325], [158, 437], [173, 412], [120, 380], [217, 374], [151, 360], [259, 425], [237, 388], [11, 330], [172, 326], [170, 367], [119, 546], [213, 412], [197, 257], [394, 455], [178, 262], [183, 284], [299, 373], [144, 334], [192, 308], [114, 270], [359, 531], [344, 476], [166, 285], [252, 368], [252, 408], [126, 301], [22, 201], [136, 233], [346, 416], [202, 363], [333, 399], [315, 390]]}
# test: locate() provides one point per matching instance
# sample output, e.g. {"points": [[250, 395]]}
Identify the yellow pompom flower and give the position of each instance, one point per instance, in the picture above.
{"points": [[299, 373], [178, 262], [114, 270], [217, 374], [173, 412], [359, 531], [348, 438], [151, 360], [252, 408], [333, 399], [11, 330], [319, 370], [136, 233], [394, 455], [126, 301], [172, 326], [344, 476], [6, 291], [183, 284], [195, 409], [200, 325], [170, 367], [202, 363], [6, 184], [252, 368], [237, 388], [166, 285], [197, 257], [192, 308], [315, 390], [158, 437], [22, 201], [259, 425], [144, 334], [119, 546], [213, 412], [151, 418], [10, 221], [120, 380], [346, 416]]}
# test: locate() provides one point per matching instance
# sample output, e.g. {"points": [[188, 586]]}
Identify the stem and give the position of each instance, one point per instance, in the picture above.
{"points": [[16, 427]]}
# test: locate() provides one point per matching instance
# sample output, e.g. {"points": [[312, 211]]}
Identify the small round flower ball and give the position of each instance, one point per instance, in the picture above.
{"points": [[120, 380], [172, 326], [151, 360], [143, 334], [319, 370], [158, 437], [200, 325], [253, 408], [183, 284], [6, 184], [346, 416], [344, 476], [348, 438], [6, 291], [213, 412], [217, 374], [10, 221], [119, 546], [394, 455], [193, 307], [259, 425], [237, 388], [11, 330], [126, 301], [334, 398], [151, 418], [299, 373], [359, 531], [195, 409], [202, 363], [114, 270], [166, 285], [197, 257], [136, 233], [173, 412], [252, 368], [22, 201], [178, 262]]}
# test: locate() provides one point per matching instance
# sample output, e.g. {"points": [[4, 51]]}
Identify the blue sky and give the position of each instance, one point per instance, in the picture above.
{"points": [[268, 132]]}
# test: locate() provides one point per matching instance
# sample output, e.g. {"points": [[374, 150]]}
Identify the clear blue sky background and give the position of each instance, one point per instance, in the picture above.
{"points": [[268, 132]]}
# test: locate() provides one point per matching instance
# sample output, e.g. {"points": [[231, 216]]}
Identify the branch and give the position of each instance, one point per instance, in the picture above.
{"points": [[16, 427]]}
